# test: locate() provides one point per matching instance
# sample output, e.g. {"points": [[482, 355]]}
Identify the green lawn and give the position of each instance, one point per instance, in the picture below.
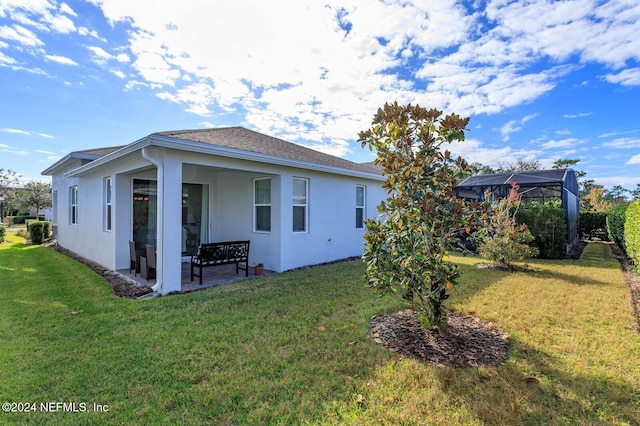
{"points": [[293, 348]]}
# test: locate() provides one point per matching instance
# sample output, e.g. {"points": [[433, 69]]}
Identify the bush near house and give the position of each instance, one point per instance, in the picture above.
{"points": [[593, 225], [615, 224], [20, 220], [632, 233], [39, 231], [2, 233], [503, 241], [548, 227]]}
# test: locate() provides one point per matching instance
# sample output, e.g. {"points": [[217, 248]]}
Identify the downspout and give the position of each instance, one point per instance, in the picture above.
{"points": [[160, 217]]}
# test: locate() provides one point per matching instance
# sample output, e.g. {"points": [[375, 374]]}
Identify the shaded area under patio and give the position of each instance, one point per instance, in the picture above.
{"points": [[212, 276]]}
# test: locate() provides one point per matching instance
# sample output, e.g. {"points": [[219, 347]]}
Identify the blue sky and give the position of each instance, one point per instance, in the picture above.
{"points": [[539, 79]]}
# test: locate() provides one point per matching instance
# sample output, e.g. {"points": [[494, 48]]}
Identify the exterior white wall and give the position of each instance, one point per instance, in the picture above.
{"points": [[332, 232], [88, 237]]}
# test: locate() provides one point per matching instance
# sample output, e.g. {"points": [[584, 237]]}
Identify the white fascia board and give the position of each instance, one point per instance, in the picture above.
{"points": [[87, 168], [202, 148], [72, 156]]}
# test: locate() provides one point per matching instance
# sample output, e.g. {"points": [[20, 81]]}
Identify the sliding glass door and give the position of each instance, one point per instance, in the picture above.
{"points": [[195, 214], [145, 206]]}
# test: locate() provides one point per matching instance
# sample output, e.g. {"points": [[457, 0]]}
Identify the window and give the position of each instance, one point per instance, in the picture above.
{"points": [[262, 205], [300, 187], [360, 203], [107, 204], [73, 197]]}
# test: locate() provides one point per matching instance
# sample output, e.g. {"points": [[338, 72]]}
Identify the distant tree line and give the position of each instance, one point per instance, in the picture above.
{"points": [[22, 199]]}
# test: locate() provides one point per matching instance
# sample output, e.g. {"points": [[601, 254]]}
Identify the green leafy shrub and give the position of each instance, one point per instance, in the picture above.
{"points": [[593, 225], [547, 224], [632, 233], [502, 240], [2, 233], [39, 231], [405, 247], [20, 220], [615, 224]]}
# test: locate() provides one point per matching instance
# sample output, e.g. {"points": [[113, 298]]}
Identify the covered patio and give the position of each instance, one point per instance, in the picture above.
{"points": [[213, 276]]}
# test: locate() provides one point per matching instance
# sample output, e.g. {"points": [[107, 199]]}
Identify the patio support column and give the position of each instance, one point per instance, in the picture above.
{"points": [[169, 219], [169, 262]]}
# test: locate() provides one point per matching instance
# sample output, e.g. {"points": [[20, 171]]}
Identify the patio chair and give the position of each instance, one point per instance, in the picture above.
{"points": [[148, 262], [134, 257]]}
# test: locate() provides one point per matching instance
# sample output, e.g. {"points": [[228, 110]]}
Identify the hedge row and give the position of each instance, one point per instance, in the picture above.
{"points": [[20, 220], [615, 224], [632, 233], [593, 225], [548, 227]]}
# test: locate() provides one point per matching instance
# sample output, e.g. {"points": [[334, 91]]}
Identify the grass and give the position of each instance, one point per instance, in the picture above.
{"points": [[293, 348]]}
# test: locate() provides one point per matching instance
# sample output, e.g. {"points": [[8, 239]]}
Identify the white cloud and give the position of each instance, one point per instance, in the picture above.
{"points": [[44, 135], [509, 128], [628, 77], [16, 131], [60, 24], [322, 74], [623, 143], [6, 60], [634, 159], [65, 8], [564, 143], [579, 115], [100, 54], [337, 61], [86, 32], [475, 151], [20, 35], [63, 60]]}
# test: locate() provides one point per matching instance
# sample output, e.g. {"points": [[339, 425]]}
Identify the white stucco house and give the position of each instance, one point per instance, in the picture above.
{"points": [[178, 189]]}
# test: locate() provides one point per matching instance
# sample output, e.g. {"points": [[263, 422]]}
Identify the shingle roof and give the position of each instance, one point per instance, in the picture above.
{"points": [[99, 152], [248, 140]]}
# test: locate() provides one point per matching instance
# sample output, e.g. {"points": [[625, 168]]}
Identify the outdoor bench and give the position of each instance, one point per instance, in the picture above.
{"points": [[222, 253]]}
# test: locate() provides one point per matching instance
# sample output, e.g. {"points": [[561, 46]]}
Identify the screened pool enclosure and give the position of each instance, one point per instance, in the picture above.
{"points": [[538, 185]]}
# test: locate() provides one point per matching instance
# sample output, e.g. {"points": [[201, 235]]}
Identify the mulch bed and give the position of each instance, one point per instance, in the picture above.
{"points": [[465, 341]]}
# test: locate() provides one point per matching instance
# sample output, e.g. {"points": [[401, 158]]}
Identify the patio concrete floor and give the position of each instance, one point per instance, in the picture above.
{"points": [[212, 276]]}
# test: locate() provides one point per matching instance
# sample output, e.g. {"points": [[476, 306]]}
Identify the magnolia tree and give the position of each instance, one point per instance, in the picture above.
{"points": [[406, 246]]}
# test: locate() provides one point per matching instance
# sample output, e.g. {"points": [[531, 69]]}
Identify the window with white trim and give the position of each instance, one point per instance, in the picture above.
{"points": [[300, 200], [360, 203], [73, 202], [262, 205], [107, 204]]}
